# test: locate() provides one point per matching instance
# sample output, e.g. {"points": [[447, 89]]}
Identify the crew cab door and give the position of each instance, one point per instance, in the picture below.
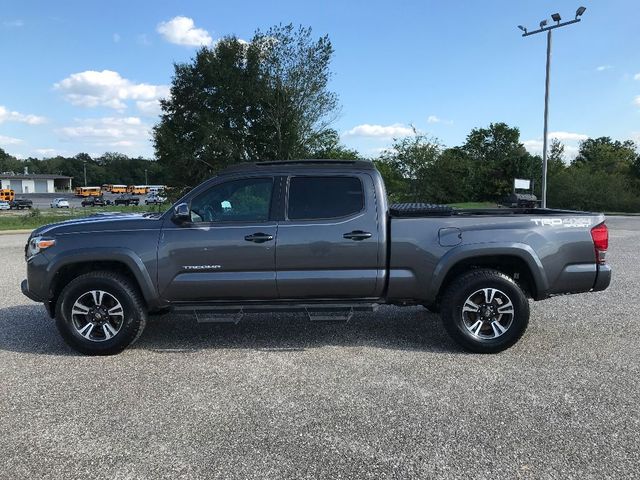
{"points": [[328, 242], [227, 249]]}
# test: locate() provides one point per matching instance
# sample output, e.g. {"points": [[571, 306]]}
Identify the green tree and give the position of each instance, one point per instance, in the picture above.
{"points": [[498, 157], [606, 155], [412, 158], [329, 147], [265, 100]]}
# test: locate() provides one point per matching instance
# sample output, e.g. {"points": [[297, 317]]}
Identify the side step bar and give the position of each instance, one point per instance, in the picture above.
{"points": [[323, 312]]}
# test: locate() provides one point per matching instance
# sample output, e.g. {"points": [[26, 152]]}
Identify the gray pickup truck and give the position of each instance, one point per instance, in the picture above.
{"points": [[310, 236]]}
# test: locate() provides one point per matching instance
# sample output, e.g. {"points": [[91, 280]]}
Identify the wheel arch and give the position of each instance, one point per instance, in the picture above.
{"points": [[64, 269], [518, 261]]}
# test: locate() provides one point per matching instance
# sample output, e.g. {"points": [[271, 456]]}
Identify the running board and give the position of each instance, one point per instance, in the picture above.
{"points": [[315, 312]]}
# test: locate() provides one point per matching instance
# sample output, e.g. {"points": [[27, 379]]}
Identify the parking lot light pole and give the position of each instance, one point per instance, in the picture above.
{"points": [[84, 166], [146, 178], [544, 28]]}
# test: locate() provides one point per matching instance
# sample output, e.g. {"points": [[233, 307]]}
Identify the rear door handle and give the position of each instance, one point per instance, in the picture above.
{"points": [[357, 235], [259, 237]]}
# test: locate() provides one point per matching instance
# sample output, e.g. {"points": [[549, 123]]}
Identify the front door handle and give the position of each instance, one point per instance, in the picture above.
{"points": [[357, 235], [259, 237]]}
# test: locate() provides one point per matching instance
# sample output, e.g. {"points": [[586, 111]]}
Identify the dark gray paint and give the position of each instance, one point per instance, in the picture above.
{"points": [[404, 260]]}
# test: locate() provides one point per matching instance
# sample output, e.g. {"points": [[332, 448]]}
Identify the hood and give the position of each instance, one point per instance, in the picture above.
{"points": [[101, 223]]}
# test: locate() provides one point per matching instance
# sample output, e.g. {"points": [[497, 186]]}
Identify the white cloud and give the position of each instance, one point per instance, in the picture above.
{"points": [[636, 76], [4, 140], [534, 146], [7, 115], [149, 108], [602, 68], [436, 119], [116, 37], [182, 31], [143, 40], [13, 23], [568, 136], [108, 89], [47, 152], [637, 100], [107, 131], [380, 131]]}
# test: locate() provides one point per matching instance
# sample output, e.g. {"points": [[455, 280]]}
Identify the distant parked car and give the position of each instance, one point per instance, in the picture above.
{"points": [[59, 203], [20, 203], [126, 200], [4, 205], [93, 202], [154, 200]]}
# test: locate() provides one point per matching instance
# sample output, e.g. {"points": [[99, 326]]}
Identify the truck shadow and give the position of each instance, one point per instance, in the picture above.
{"points": [[28, 329]]}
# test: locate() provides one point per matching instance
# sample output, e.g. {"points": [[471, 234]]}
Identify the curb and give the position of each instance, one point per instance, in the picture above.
{"points": [[14, 232]]}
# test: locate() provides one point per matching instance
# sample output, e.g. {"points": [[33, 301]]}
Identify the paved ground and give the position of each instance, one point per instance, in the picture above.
{"points": [[386, 396]]}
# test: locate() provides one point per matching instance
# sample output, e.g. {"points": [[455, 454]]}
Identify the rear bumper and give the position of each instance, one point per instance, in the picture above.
{"points": [[24, 286], [603, 278]]}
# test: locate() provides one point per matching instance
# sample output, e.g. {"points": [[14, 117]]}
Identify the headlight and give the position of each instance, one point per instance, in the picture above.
{"points": [[37, 244]]}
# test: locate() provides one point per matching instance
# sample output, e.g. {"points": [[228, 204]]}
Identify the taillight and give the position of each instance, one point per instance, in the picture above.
{"points": [[600, 236]]}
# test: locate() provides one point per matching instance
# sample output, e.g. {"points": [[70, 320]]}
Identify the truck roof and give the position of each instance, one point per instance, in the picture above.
{"points": [[301, 164]]}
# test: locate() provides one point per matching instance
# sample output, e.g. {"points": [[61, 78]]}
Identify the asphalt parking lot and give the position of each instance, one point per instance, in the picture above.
{"points": [[387, 395]]}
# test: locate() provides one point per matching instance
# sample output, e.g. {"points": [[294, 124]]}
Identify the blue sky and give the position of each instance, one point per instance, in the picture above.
{"points": [[86, 76]]}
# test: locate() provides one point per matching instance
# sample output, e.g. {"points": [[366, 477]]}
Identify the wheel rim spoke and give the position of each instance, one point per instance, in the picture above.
{"points": [[109, 331], [489, 294], [116, 311], [507, 308], [470, 306], [79, 309], [476, 327], [497, 329], [86, 330], [97, 295]]}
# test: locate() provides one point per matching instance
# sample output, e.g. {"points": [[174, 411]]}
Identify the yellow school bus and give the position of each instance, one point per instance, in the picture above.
{"points": [[7, 195], [88, 191], [118, 189], [107, 187], [138, 189]]}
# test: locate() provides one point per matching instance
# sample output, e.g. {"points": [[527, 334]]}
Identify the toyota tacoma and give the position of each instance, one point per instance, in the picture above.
{"points": [[310, 236]]}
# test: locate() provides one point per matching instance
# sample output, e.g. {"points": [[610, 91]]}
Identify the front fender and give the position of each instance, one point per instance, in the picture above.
{"points": [[494, 249], [110, 254]]}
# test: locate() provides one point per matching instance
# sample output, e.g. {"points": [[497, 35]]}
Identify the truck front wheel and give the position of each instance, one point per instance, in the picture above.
{"points": [[100, 313], [485, 311]]}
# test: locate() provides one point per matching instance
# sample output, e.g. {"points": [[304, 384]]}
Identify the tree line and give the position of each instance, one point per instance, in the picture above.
{"points": [[269, 99], [113, 168]]}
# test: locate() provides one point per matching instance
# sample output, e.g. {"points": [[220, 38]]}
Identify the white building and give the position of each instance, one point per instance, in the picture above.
{"points": [[36, 183]]}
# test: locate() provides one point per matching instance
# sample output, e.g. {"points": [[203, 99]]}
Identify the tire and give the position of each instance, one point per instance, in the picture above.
{"points": [[480, 326], [100, 331]]}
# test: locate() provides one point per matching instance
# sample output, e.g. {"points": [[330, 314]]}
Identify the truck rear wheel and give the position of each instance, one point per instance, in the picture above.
{"points": [[485, 311], [100, 313]]}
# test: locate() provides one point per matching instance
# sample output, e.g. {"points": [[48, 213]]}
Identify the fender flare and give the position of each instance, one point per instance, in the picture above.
{"points": [[111, 254], [493, 249]]}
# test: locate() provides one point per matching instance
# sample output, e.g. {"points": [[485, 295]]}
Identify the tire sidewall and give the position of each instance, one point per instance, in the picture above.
{"points": [[517, 327], [75, 290]]}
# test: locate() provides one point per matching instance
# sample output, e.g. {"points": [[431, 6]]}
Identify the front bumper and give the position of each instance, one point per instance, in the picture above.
{"points": [[24, 286]]}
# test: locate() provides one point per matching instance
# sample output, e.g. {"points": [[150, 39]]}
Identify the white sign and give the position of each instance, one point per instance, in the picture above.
{"points": [[521, 184]]}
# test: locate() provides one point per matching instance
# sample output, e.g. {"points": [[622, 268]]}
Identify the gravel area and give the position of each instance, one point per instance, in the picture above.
{"points": [[387, 395]]}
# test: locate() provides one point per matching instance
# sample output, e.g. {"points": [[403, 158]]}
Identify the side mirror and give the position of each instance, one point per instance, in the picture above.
{"points": [[181, 213]]}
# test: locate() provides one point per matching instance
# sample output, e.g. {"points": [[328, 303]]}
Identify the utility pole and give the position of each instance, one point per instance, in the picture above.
{"points": [[146, 178], [543, 28], [84, 166]]}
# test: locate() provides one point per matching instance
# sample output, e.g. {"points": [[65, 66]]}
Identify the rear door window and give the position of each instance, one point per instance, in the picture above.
{"points": [[315, 198]]}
